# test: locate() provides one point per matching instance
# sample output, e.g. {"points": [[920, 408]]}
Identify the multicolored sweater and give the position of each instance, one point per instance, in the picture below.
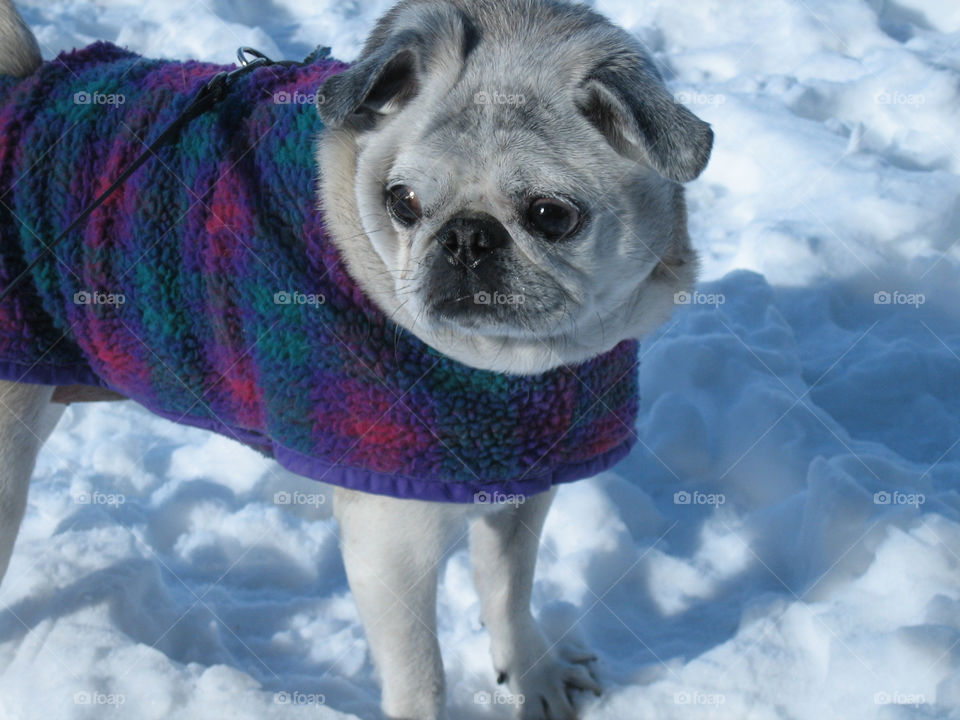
{"points": [[207, 290]]}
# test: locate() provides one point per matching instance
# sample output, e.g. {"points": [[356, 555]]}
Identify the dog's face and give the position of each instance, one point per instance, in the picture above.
{"points": [[503, 179]]}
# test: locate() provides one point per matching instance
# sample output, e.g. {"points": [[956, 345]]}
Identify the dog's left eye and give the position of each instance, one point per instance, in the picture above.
{"points": [[553, 218], [404, 205]]}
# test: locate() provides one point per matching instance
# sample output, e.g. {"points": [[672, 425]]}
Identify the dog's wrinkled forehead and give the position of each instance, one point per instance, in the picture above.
{"points": [[506, 141], [510, 64]]}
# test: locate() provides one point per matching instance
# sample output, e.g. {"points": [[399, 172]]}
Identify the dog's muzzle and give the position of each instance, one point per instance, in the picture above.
{"points": [[468, 241]]}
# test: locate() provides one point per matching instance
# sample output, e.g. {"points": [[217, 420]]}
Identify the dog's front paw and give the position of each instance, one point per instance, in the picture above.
{"points": [[545, 684]]}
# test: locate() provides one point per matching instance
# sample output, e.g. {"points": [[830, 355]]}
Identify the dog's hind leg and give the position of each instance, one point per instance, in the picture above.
{"points": [[503, 549], [19, 54], [26, 420], [392, 550]]}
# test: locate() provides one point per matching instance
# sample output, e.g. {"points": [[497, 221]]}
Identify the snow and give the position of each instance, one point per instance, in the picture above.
{"points": [[784, 541]]}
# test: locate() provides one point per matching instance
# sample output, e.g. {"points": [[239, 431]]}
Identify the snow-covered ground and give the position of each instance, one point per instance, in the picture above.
{"points": [[785, 541]]}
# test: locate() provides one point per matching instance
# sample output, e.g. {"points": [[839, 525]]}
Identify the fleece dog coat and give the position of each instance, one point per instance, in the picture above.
{"points": [[207, 290]]}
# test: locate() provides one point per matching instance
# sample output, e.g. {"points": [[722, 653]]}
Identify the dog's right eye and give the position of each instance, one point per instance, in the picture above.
{"points": [[403, 204], [554, 219]]}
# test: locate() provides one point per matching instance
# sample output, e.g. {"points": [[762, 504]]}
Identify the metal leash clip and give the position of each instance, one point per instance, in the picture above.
{"points": [[220, 83], [244, 60]]}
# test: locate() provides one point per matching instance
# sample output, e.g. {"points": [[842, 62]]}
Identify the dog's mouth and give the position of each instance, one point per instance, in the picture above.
{"points": [[491, 299], [476, 310]]}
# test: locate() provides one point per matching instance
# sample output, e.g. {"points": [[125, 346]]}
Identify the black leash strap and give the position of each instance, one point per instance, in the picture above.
{"points": [[206, 99]]}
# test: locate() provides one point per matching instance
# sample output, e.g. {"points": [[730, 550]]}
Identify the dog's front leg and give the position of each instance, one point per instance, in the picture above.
{"points": [[391, 551], [503, 547], [26, 420]]}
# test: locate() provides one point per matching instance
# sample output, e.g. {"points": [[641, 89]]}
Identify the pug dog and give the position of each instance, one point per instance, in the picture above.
{"points": [[527, 145]]}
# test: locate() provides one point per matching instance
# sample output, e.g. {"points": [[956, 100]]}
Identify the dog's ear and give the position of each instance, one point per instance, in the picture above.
{"points": [[392, 68], [624, 97], [381, 82]]}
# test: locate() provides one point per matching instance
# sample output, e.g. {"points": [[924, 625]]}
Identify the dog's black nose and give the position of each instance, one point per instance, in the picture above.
{"points": [[470, 240]]}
